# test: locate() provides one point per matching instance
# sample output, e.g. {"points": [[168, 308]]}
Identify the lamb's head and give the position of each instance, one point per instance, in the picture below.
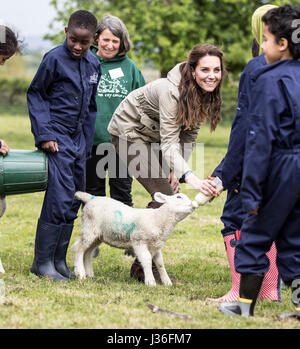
{"points": [[177, 203]]}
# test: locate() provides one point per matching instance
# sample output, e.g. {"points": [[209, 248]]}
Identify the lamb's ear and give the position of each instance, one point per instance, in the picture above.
{"points": [[160, 197]]}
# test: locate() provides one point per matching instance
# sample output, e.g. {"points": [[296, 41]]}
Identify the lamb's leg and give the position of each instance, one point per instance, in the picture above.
{"points": [[1, 267], [159, 262], [79, 250], [144, 256], [88, 259]]}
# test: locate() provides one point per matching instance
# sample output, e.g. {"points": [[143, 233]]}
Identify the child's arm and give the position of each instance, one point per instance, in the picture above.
{"points": [[266, 104], [38, 103]]}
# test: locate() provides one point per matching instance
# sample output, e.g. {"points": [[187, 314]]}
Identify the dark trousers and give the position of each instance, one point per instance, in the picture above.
{"points": [[233, 213], [66, 175], [119, 180], [146, 165], [278, 220]]}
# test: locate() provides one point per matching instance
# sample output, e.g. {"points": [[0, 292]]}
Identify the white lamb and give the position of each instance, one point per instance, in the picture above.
{"points": [[143, 230]]}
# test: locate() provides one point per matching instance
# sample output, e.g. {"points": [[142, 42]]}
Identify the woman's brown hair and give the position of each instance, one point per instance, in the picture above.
{"points": [[196, 105], [9, 43]]}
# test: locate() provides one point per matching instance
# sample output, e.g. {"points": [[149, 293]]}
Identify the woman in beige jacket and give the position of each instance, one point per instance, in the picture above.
{"points": [[154, 124]]}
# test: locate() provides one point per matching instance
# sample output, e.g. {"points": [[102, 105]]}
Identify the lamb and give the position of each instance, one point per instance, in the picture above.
{"points": [[118, 225]]}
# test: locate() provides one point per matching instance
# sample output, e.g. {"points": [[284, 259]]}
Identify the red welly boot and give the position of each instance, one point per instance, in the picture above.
{"points": [[232, 295], [270, 288]]}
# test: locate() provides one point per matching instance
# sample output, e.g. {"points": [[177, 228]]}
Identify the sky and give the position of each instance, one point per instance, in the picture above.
{"points": [[28, 17]]}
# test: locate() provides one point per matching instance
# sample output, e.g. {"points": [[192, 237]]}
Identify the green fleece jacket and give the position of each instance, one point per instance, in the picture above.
{"points": [[120, 76]]}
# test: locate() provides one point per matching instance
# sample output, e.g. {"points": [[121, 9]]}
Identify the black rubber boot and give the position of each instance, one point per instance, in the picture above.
{"points": [[47, 236], [295, 300], [250, 285], [61, 251]]}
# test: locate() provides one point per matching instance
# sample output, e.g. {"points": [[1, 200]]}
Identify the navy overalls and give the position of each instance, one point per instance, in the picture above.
{"points": [[62, 108], [230, 168], [271, 172]]}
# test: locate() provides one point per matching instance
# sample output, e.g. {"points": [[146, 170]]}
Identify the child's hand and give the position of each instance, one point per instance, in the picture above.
{"points": [[254, 211], [50, 146], [3, 147], [217, 193]]}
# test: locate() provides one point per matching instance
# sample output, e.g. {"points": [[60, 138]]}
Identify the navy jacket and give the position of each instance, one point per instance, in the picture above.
{"points": [[274, 124], [230, 168], [63, 92]]}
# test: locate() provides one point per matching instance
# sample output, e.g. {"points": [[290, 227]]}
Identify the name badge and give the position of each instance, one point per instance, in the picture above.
{"points": [[116, 73]]}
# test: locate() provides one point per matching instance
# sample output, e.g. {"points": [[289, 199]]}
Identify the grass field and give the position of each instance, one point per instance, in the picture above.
{"points": [[194, 254]]}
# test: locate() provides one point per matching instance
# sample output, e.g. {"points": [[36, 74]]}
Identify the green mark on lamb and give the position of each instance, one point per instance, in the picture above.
{"points": [[120, 228]]}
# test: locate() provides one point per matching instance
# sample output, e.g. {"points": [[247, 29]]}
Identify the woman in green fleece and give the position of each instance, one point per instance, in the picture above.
{"points": [[120, 76]]}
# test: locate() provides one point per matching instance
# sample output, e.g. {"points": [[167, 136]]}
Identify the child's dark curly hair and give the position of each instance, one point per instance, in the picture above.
{"points": [[280, 22], [83, 19], [9, 42]]}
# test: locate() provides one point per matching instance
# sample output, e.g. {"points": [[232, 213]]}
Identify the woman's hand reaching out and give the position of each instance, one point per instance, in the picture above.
{"points": [[204, 186]]}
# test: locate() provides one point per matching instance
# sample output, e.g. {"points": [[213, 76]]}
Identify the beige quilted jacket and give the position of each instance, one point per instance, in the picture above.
{"points": [[148, 115]]}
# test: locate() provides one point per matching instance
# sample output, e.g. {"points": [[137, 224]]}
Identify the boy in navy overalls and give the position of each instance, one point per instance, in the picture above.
{"points": [[62, 109], [270, 184], [230, 172]]}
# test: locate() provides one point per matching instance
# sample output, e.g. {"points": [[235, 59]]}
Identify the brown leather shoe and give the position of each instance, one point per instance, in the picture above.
{"points": [[137, 272]]}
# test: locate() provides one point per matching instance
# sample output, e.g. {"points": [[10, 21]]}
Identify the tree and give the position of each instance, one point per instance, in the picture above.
{"points": [[164, 31]]}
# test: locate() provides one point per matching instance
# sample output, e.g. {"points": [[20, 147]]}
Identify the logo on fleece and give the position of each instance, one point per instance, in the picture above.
{"points": [[94, 78], [112, 87]]}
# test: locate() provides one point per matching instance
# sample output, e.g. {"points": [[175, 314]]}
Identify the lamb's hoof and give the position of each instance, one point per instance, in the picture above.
{"points": [[79, 275], [90, 275], [167, 282], [150, 282]]}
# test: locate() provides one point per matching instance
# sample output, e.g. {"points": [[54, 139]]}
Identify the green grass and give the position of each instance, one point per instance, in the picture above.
{"points": [[194, 253]]}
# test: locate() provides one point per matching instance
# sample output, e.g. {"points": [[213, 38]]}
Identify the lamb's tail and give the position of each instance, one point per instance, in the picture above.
{"points": [[82, 196]]}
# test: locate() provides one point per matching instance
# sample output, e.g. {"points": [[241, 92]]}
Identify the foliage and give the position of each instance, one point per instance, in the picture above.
{"points": [[164, 31], [15, 67], [229, 100], [13, 89]]}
